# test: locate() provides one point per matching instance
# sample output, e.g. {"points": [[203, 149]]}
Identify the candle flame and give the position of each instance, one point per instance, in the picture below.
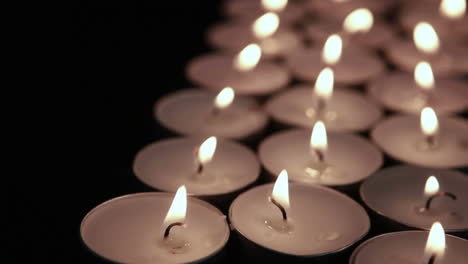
{"points": [[224, 98], [318, 139], [324, 84], [281, 189], [274, 5], [429, 121], [207, 150], [425, 38], [332, 49], [360, 20], [266, 25], [432, 186], [436, 240], [248, 58], [452, 9], [178, 209], [423, 75]]}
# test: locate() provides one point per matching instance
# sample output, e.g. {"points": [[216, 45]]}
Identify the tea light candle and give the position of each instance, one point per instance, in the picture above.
{"points": [[135, 229], [305, 221], [198, 112], [344, 111], [216, 71], [249, 10], [354, 66], [409, 94], [207, 170], [233, 36], [421, 143], [336, 159], [411, 247], [415, 197]]}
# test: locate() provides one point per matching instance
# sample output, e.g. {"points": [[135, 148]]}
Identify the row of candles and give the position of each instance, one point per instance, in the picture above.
{"points": [[304, 216]]}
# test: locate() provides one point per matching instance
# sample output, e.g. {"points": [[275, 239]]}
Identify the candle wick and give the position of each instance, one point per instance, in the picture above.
{"points": [[199, 168], [215, 111], [280, 207], [169, 227], [320, 156], [439, 194], [430, 139], [432, 259], [320, 108]]}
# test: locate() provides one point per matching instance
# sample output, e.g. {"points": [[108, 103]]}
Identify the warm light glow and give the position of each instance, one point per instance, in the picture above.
{"points": [[207, 150], [274, 5], [318, 139], [426, 38], [331, 52], [453, 9], [340, 1], [265, 25], [248, 58], [429, 122], [360, 20], [431, 187], [281, 189], [436, 240], [423, 75], [324, 84], [178, 209], [224, 98]]}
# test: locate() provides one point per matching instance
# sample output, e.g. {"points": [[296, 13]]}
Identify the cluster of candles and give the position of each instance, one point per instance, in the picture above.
{"points": [[329, 185]]}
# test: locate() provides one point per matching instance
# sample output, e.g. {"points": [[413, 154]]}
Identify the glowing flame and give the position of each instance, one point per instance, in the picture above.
{"points": [[360, 20], [432, 186], [426, 38], [436, 240], [423, 75], [453, 9], [207, 150], [318, 139], [324, 84], [224, 98], [281, 189], [274, 5], [429, 122], [331, 52], [248, 58], [265, 25], [178, 208]]}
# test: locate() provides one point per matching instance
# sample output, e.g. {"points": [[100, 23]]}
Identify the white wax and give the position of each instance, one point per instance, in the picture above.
{"points": [[397, 193], [407, 248], [129, 229], [350, 158], [399, 92], [322, 220], [233, 37], [249, 10], [190, 112], [215, 71], [379, 33], [170, 163], [356, 66], [346, 110], [401, 138]]}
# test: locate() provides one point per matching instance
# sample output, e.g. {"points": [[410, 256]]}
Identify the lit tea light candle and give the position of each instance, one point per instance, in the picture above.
{"points": [[248, 10], [265, 31], [288, 223], [415, 197], [245, 73], [212, 170], [353, 66], [400, 92], [333, 159], [198, 112], [426, 47], [139, 228], [412, 247], [358, 28], [421, 143]]}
